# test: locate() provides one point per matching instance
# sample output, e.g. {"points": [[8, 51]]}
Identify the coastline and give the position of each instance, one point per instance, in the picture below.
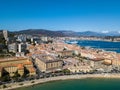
{"points": [[98, 48], [14, 86]]}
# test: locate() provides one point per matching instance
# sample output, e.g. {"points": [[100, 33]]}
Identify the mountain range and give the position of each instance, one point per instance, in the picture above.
{"points": [[61, 33]]}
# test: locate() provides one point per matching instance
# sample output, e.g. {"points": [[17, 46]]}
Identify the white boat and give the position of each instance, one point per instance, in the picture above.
{"points": [[72, 42]]}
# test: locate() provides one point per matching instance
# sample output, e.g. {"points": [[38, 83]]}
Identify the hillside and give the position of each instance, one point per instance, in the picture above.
{"points": [[40, 32], [62, 33]]}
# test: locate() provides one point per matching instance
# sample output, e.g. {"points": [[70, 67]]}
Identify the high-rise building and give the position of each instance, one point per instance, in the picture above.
{"points": [[22, 47], [5, 34], [19, 47]]}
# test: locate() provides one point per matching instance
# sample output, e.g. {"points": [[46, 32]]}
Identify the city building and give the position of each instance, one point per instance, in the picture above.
{"points": [[5, 34], [48, 63], [22, 47], [67, 53], [20, 54], [78, 69], [17, 47], [21, 38], [12, 47], [44, 39], [12, 65]]}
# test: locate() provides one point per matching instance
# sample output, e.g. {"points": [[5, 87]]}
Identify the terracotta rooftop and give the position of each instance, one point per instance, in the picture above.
{"points": [[12, 59], [20, 66], [47, 59], [28, 63]]}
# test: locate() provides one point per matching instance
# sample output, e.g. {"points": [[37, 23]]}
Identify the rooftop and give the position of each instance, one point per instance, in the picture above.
{"points": [[12, 59], [47, 58]]}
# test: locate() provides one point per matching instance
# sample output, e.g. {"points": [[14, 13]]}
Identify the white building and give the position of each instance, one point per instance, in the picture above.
{"points": [[5, 34], [19, 47], [12, 47], [22, 47], [45, 39], [20, 54], [21, 38]]}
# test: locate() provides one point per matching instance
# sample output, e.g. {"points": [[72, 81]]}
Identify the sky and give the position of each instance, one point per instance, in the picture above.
{"points": [[75, 15]]}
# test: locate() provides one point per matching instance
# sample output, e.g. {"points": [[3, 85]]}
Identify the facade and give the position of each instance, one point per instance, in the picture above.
{"points": [[12, 65], [67, 53], [22, 47], [20, 69], [44, 39], [115, 62], [77, 69], [21, 38], [20, 54], [12, 47], [48, 64], [11, 69], [15, 47], [5, 34]]}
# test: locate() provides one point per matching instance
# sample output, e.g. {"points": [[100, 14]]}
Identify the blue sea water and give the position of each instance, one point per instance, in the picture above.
{"points": [[81, 84], [105, 45]]}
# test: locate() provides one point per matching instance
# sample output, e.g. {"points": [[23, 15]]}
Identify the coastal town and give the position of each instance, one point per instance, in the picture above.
{"points": [[27, 58]]}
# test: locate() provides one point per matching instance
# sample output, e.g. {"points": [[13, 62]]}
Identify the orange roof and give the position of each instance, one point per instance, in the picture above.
{"points": [[11, 65], [20, 66], [12, 59], [31, 47], [28, 63], [29, 54], [32, 69]]}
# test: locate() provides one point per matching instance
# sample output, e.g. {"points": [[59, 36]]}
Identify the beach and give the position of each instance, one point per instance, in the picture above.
{"points": [[16, 85]]}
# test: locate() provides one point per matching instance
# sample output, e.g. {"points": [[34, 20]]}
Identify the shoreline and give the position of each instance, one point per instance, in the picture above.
{"points": [[104, 50], [14, 86]]}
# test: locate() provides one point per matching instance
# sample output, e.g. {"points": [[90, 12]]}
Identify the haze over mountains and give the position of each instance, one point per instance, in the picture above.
{"points": [[44, 32]]}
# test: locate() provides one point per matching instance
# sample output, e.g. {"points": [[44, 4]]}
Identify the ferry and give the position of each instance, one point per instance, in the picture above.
{"points": [[72, 42]]}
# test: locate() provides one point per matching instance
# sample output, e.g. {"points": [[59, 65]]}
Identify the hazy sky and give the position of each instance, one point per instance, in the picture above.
{"points": [[76, 15]]}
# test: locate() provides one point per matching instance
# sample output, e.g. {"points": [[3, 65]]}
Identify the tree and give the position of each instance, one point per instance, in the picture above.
{"points": [[5, 78], [66, 71], [16, 76], [26, 73]]}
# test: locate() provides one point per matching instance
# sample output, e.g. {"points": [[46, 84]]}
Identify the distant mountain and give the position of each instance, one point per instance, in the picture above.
{"points": [[70, 33], [40, 32], [89, 33], [86, 33], [112, 33], [61, 33]]}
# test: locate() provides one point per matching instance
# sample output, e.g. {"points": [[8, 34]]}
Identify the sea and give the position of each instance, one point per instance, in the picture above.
{"points": [[84, 84], [105, 45], [81, 84]]}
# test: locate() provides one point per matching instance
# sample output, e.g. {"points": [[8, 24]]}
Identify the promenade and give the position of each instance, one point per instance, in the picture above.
{"points": [[66, 77]]}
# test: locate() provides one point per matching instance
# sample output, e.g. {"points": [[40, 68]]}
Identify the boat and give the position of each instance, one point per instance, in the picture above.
{"points": [[72, 42]]}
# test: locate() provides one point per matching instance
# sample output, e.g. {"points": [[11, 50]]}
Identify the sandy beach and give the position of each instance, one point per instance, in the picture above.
{"points": [[67, 77]]}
